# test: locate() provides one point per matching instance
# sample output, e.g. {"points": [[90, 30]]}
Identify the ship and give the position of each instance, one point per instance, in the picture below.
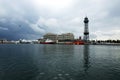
{"points": [[48, 41], [78, 42]]}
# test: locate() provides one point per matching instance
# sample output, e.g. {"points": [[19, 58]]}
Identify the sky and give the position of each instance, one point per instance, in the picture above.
{"points": [[31, 19]]}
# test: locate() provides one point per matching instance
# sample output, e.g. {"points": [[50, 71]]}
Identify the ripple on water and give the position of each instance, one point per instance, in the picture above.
{"points": [[60, 74], [55, 78], [42, 73], [67, 74], [61, 78]]}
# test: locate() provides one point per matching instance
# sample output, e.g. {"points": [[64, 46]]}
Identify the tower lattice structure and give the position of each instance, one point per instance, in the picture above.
{"points": [[86, 30]]}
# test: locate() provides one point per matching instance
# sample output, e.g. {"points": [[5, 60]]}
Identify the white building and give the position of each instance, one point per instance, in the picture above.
{"points": [[66, 36]]}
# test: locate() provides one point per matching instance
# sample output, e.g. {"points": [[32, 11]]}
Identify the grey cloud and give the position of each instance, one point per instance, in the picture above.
{"points": [[21, 19], [2, 28], [113, 8]]}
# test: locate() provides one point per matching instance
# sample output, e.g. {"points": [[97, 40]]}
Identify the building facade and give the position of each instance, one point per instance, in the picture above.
{"points": [[66, 36], [50, 36], [54, 37]]}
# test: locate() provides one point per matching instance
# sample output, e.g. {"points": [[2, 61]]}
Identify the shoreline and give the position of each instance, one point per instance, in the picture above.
{"points": [[117, 44]]}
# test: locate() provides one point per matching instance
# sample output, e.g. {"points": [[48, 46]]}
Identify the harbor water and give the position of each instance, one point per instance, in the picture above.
{"points": [[59, 62]]}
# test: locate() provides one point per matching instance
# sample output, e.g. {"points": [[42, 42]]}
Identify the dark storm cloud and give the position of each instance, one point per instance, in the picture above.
{"points": [[15, 19], [30, 19], [16, 30]]}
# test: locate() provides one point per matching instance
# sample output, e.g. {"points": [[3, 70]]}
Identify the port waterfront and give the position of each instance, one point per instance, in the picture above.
{"points": [[91, 42], [59, 62]]}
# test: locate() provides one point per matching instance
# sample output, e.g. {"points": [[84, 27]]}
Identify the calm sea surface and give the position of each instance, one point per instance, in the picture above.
{"points": [[59, 62]]}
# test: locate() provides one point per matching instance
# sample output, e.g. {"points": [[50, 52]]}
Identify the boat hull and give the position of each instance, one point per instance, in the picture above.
{"points": [[47, 42]]}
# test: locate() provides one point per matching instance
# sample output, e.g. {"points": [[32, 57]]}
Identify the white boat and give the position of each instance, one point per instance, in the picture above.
{"points": [[48, 41]]}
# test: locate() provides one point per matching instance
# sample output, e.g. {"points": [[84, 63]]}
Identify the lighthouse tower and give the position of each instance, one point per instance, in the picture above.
{"points": [[86, 30]]}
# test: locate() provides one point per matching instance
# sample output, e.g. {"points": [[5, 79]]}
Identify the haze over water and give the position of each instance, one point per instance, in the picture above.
{"points": [[59, 62]]}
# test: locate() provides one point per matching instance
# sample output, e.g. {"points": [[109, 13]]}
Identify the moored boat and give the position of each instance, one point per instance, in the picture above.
{"points": [[48, 41]]}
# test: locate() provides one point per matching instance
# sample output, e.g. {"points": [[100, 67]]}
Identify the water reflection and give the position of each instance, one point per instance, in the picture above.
{"points": [[58, 49], [59, 62], [86, 56], [56, 62], [16, 62]]}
